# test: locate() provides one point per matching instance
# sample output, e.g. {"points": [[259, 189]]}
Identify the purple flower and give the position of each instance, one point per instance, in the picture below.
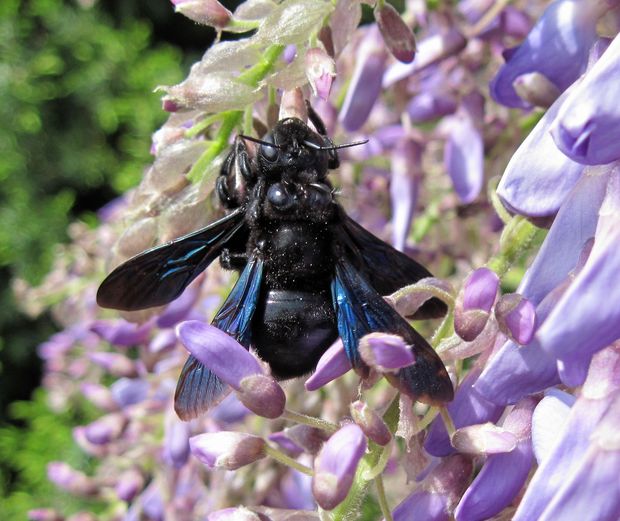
{"points": [[334, 467], [578, 472], [69, 479], [386, 353], [434, 499], [447, 42], [114, 363], [406, 170], [105, 429], [587, 317], [539, 177], [474, 303], [365, 85], [427, 106], [176, 441], [557, 47], [231, 362], [468, 408], [227, 450], [371, 423], [586, 127], [464, 150], [129, 484], [122, 333], [494, 488], [129, 391], [516, 317]]}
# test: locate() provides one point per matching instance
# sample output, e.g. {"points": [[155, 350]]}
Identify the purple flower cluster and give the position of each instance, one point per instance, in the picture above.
{"points": [[523, 232]]}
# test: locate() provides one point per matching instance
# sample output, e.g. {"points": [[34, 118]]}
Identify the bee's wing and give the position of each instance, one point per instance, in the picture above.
{"points": [[386, 268], [361, 310], [159, 275], [198, 389]]}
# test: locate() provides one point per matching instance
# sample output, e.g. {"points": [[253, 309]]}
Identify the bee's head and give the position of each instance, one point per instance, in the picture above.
{"points": [[293, 146]]}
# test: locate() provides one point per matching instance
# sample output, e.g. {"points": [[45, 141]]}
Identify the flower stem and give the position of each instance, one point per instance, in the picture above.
{"points": [[385, 508], [309, 420], [287, 460]]}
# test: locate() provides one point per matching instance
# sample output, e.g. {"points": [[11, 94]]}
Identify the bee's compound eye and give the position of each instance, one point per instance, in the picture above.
{"points": [[279, 197], [269, 153]]}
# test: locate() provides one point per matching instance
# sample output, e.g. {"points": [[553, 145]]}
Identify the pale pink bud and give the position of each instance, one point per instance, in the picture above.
{"points": [[205, 12], [320, 71], [370, 422], [227, 450]]}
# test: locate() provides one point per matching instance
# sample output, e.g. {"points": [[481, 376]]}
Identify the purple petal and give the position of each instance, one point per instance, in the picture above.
{"points": [[333, 364], [494, 488], [121, 332], [129, 391], [153, 503], [587, 128], [179, 308], [539, 177], [422, 504], [335, 466], [480, 289], [565, 459], [405, 180], [262, 395], [218, 351], [464, 157], [129, 484], [105, 429], [427, 106], [430, 50], [587, 317], [386, 353], [485, 438], [176, 442], [468, 408], [516, 317], [365, 85], [557, 46], [573, 226]]}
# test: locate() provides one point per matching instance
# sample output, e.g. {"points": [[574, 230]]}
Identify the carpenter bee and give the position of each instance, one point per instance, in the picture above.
{"points": [[308, 272]]}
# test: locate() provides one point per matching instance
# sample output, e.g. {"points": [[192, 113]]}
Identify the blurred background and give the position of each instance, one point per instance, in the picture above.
{"points": [[77, 114]]}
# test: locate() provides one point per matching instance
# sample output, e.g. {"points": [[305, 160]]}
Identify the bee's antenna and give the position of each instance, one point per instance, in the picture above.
{"points": [[259, 141], [334, 147]]}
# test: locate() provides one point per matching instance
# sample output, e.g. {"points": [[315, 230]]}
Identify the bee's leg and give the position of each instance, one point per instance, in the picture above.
{"points": [[257, 199], [334, 160], [232, 260], [221, 184], [242, 160]]}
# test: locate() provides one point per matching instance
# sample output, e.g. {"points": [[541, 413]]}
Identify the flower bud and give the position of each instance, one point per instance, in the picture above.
{"points": [[114, 363], [236, 514], [385, 353], [474, 303], [333, 364], [206, 12], [227, 450], [371, 423], [262, 395], [129, 391], [335, 466], [310, 439], [176, 441], [99, 395], [105, 429], [122, 333], [398, 38], [44, 514], [516, 317], [485, 438], [69, 479], [320, 71], [129, 484]]}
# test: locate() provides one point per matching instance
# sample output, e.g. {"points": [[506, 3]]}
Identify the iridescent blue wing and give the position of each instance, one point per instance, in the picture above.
{"points": [[386, 268], [361, 310], [159, 275], [198, 389]]}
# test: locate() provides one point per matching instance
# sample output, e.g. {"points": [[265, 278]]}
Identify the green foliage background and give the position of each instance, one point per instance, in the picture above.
{"points": [[77, 113]]}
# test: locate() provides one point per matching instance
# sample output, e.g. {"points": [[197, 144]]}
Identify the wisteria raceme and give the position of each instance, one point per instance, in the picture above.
{"points": [[491, 158]]}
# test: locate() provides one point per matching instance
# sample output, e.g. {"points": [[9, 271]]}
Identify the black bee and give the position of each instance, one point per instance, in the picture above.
{"points": [[308, 272]]}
